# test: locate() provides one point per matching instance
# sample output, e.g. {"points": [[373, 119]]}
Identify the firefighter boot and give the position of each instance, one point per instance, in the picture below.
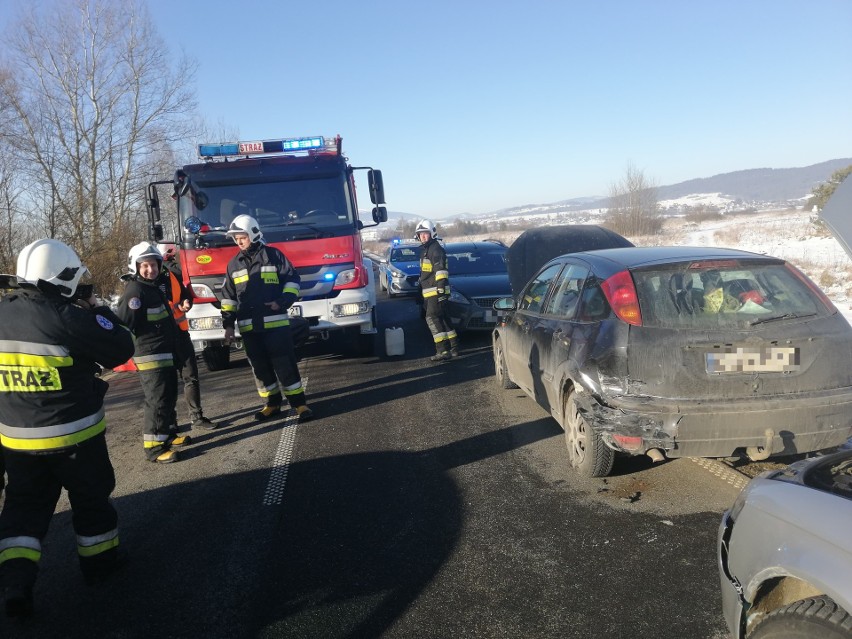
{"points": [[454, 347], [18, 601], [304, 413], [98, 569], [443, 354], [176, 440], [270, 410], [161, 455]]}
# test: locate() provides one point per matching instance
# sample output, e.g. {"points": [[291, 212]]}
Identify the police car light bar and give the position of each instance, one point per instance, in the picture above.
{"points": [[286, 146]]}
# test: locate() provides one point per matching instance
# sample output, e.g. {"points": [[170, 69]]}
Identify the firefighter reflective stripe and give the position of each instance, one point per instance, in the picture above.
{"points": [[179, 315], [157, 360], [270, 321], [430, 291], [292, 287], [293, 389], [91, 546], [440, 337], [269, 274], [240, 276], [152, 441], [426, 265], [14, 353], [20, 548], [156, 313], [40, 438], [276, 321], [29, 367], [229, 306], [442, 275], [266, 391]]}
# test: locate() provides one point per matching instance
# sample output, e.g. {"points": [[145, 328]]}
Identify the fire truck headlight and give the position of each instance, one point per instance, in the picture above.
{"points": [[202, 290], [205, 323], [356, 308], [346, 277]]}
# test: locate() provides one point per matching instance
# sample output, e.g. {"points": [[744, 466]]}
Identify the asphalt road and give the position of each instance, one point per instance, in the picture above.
{"points": [[423, 501]]}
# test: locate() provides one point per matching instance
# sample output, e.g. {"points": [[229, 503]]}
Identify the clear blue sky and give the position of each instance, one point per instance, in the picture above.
{"points": [[473, 106]]}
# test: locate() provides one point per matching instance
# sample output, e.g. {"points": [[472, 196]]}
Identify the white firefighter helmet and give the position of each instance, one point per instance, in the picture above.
{"points": [[142, 251], [426, 226], [248, 225], [53, 262]]}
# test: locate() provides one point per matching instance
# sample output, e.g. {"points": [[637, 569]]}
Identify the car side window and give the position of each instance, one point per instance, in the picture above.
{"points": [[566, 292], [533, 296]]}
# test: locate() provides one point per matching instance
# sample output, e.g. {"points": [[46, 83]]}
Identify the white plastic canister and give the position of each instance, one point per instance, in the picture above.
{"points": [[394, 341]]}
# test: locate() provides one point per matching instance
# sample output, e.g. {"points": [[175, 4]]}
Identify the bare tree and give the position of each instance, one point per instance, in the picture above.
{"points": [[634, 205], [98, 102]]}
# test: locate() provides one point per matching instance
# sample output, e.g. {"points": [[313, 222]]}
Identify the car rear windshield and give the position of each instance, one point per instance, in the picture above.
{"points": [[724, 293], [476, 262]]}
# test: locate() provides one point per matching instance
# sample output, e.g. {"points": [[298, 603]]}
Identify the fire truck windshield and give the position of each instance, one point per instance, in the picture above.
{"points": [[319, 204]]}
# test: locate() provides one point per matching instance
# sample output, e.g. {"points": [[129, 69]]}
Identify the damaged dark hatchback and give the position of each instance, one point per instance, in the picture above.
{"points": [[676, 352]]}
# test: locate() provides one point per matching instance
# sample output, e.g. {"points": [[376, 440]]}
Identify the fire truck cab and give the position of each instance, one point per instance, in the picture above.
{"points": [[302, 193]]}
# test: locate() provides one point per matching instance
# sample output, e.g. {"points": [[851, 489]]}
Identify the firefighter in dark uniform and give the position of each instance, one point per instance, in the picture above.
{"points": [[180, 300], [52, 425], [260, 285], [435, 288], [144, 308]]}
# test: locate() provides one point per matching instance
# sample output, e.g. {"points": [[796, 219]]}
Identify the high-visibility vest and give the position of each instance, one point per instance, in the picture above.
{"points": [[174, 300]]}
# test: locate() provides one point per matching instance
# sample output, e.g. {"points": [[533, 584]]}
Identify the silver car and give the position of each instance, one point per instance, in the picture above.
{"points": [[785, 553]]}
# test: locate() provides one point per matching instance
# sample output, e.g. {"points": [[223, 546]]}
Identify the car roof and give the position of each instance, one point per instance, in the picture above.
{"points": [[639, 256], [461, 247]]}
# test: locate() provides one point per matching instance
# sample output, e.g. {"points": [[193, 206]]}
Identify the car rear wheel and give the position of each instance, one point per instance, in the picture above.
{"points": [[500, 369], [586, 450], [815, 618]]}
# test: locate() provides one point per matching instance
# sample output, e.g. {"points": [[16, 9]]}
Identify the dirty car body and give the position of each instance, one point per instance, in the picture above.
{"points": [[785, 553], [679, 351]]}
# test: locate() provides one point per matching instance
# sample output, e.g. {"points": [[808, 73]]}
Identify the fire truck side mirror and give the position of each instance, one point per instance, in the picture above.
{"points": [[380, 214], [377, 187]]}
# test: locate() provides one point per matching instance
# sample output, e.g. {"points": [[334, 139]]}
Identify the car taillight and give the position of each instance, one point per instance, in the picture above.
{"points": [[621, 294]]}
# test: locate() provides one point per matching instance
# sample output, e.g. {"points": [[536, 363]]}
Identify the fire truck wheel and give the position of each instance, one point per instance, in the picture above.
{"points": [[217, 358]]}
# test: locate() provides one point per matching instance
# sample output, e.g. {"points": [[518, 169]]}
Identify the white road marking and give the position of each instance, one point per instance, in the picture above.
{"points": [[281, 464]]}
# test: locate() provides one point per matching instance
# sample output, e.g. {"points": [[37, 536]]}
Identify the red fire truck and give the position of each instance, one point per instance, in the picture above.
{"points": [[302, 193]]}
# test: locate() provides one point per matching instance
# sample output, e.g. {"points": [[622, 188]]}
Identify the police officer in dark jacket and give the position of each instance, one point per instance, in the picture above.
{"points": [[435, 288], [260, 285], [144, 308], [53, 337]]}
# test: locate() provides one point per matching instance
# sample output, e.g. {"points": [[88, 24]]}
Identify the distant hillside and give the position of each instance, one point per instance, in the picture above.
{"points": [[762, 185], [750, 185]]}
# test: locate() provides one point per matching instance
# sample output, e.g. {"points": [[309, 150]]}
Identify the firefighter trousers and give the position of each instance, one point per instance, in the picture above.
{"points": [[273, 362], [439, 325], [189, 375], [35, 483], [159, 385]]}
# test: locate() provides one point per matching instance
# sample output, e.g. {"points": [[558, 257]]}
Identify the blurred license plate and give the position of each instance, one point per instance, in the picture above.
{"points": [[749, 359], [295, 311]]}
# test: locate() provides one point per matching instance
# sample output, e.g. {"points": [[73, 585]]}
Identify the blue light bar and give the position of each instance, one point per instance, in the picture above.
{"points": [[329, 276], [286, 146]]}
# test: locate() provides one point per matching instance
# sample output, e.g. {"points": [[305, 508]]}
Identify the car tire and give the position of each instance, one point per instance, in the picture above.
{"points": [[500, 370], [817, 618], [586, 450], [217, 358]]}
